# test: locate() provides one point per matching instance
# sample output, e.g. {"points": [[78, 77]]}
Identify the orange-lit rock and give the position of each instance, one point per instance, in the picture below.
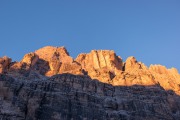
{"points": [[169, 79], [4, 64], [134, 73], [100, 64], [98, 59], [103, 65], [30, 59], [59, 53], [58, 61], [132, 64]]}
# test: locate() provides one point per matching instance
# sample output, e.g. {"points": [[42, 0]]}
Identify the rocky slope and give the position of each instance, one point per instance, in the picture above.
{"points": [[50, 84]]}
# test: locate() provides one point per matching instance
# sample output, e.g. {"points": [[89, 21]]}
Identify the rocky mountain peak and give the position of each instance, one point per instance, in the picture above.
{"points": [[103, 65], [50, 84], [49, 52], [98, 59], [30, 59]]}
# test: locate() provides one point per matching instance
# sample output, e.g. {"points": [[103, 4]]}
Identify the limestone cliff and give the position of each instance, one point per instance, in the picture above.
{"points": [[50, 84]]}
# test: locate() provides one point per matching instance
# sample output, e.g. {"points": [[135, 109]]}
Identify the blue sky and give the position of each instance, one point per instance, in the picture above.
{"points": [[146, 29]]}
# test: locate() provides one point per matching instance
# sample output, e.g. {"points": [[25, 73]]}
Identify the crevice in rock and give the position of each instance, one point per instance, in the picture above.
{"points": [[123, 67]]}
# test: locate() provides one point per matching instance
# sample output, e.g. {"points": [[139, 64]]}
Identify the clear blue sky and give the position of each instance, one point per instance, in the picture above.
{"points": [[146, 29]]}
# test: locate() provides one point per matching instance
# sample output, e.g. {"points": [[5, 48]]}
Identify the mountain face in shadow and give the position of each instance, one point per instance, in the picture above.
{"points": [[78, 97], [48, 84]]}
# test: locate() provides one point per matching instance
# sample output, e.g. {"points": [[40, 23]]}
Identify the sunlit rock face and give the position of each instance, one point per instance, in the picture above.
{"points": [[98, 59], [58, 60], [48, 52], [169, 79], [135, 73], [30, 59], [100, 64], [50, 84]]}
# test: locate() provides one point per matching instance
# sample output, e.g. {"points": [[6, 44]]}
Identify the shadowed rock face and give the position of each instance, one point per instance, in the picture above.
{"points": [[66, 96], [97, 85]]}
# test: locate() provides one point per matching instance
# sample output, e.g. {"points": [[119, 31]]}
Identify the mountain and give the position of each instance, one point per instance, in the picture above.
{"points": [[49, 84]]}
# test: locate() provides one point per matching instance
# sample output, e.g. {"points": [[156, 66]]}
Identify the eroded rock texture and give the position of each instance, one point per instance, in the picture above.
{"points": [[48, 84], [78, 97], [4, 64]]}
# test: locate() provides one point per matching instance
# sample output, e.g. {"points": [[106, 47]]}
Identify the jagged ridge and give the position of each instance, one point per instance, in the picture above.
{"points": [[103, 65], [97, 85]]}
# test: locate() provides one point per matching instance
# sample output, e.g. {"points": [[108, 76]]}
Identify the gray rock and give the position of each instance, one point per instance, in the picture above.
{"points": [[78, 97]]}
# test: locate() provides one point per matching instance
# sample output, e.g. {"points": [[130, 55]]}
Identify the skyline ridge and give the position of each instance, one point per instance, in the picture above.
{"points": [[74, 57]]}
